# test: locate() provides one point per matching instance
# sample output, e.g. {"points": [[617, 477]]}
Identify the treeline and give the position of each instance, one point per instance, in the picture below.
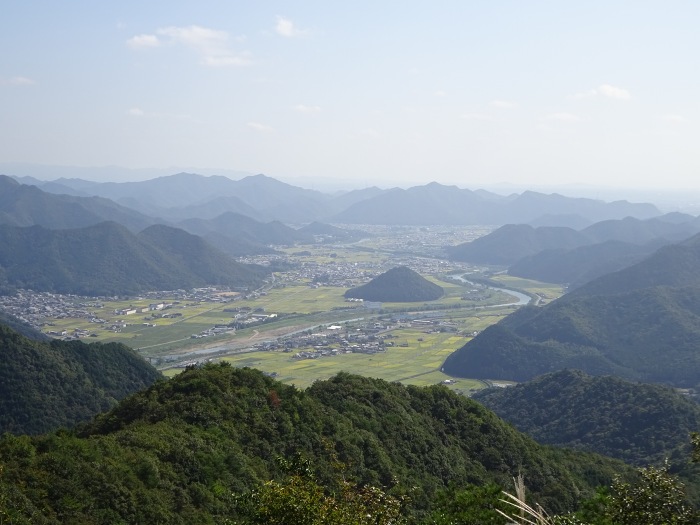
{"points": [[642, 424], [205, 446]]}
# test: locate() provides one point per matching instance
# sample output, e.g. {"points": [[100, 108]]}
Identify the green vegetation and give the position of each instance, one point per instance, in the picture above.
{"points": [[512, 242], [639, 323], [398, 285], [22, 328], [583, 264], [416, 363], [639, 423], [44, 386], [24, 205], [187, 450], [238, 234], [107, 259]]}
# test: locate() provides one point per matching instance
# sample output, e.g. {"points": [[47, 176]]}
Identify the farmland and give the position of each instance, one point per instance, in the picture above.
{"points": [[291, 314]]}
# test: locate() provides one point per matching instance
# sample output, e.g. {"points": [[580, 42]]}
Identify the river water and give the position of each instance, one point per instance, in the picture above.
{"points": [[521, 297]]}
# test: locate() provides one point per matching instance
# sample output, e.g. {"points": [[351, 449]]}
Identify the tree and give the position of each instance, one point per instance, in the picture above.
{"points": [[471, 505], [657, 498], [300, 499]]}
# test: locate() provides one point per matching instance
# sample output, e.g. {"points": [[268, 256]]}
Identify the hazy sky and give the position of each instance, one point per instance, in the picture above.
{"points": [[381, 92]]}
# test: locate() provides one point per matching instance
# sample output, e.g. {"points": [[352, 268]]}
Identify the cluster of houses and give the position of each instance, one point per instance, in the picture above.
{"points": [[35, 308]]}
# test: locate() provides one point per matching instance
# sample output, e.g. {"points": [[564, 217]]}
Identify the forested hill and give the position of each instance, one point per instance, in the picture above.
{"points": [[47, 385], [639, 423], [640, 323], [25, 329], [107, 259], [184, 450], [676, 265], [398, 285]]}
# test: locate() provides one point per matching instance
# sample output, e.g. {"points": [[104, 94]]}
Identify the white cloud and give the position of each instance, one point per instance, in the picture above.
{"points": [[440, 93], [614, 92], [211, 45], [136, 112], [303, 108], [503, 104], [605, 90], [257, 126], [562, 117], [143, 41], [17, 81], [286, 28]]}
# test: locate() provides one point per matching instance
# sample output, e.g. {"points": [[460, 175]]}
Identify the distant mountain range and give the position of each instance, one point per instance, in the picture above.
{"points": [[185, 196], [22, 205], [657, 301], [107, 259], [238, 234], [513, 242], [449, 205], [564, 255]]}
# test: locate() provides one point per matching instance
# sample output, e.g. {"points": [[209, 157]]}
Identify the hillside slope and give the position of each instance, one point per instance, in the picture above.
{"points": [[47, 385], [639, 423], [642, 323], [107, 259], [398, 285], [22, 205], [184, 450]]}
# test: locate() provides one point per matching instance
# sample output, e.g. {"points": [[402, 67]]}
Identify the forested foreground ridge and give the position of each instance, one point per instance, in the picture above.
{"points": [[47, 385], [210, 446]]}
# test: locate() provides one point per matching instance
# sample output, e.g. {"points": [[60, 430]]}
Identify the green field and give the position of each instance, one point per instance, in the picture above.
{"points": [[417, 364], [548, 292], [300, 306]]}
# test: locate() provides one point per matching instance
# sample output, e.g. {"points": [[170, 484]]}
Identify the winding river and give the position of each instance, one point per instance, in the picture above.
{"points": [[521, 297]]}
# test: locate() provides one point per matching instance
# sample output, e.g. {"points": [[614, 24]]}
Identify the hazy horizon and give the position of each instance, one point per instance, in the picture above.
{"points": [[667, 200], [537, 94]]}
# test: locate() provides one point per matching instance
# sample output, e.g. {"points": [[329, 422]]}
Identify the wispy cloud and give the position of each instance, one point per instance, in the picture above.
{"points": [[257, 126], [303, 108], [17, 81], [605, 90], [136, 112], [440, 93], [212, 45], [503, 104], [143, 41], [562, 117], [285, 27], [614, 92]]}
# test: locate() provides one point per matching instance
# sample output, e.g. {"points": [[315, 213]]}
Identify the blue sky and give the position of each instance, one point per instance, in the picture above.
{"points": [[385, 92]]}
